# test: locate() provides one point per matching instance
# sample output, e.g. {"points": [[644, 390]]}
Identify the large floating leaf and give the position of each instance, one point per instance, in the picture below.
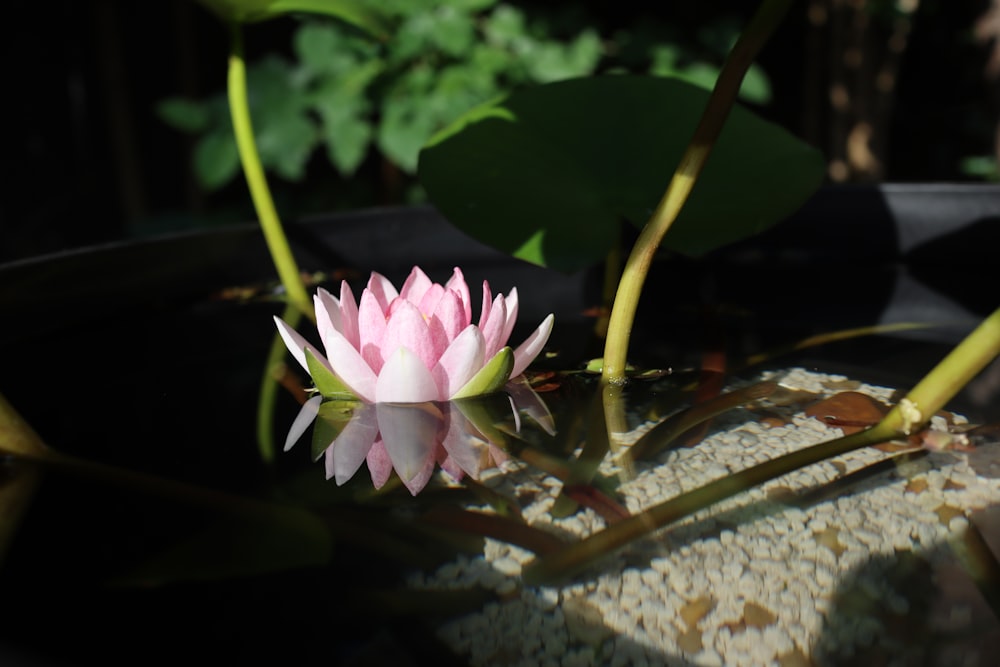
{"points": [[548, 173]]}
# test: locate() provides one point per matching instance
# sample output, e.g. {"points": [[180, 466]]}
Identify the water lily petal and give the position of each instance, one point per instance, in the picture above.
{"points": [[350, 367], [494, 326], [382, 289], [523, 397], [371, 330], [415, 286], [448, 319], [410, 434], [460, 362], [351, 447], [349, 315], [511, 302], [532, 346], [407, 328], [307, 414], [405, 379], [487, 304], [458, 285], [464, 450], [429, 301], [296, 344]]}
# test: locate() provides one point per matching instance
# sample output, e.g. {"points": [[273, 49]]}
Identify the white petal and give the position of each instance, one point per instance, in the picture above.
{"points": [[302, 421], [532, 345], [296, 344], [353, 444], [460, 361], [405, 379], [347, 363], [410, 436]]}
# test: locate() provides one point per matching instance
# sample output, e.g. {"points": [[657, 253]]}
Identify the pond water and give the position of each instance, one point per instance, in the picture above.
{"points": [[174, 394], [157, 379]]}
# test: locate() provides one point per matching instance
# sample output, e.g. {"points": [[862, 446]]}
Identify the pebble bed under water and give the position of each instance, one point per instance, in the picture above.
{"points": [[857, 578]]}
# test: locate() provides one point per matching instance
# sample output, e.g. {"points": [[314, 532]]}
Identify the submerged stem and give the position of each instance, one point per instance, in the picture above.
{"points": [[723, 97], [274, 235], [930, 395]]}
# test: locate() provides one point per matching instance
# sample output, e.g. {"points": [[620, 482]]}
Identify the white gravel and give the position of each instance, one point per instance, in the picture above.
{"points": [[749, 581]]}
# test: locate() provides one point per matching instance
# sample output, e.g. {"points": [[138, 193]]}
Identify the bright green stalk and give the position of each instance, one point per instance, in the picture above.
{"points": [[723, 97], [277, 244]]}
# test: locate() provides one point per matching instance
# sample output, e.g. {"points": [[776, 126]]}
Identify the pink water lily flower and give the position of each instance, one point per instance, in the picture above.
{"points": [[416, 344]]}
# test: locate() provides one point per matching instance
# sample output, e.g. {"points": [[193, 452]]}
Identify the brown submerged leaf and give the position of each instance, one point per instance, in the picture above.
{"points": [[851, 411]]}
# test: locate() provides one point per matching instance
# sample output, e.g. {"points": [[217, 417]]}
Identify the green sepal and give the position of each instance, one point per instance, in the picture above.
{"points": [[491, 377], [332, 418], [328, 384]]}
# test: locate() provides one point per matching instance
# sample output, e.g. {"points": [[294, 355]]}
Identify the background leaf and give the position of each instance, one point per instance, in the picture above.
{"points": [[550, 172]]}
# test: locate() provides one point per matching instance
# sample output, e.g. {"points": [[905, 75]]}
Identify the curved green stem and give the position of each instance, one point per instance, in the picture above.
{"points": [[692, 161], [277, 243]]}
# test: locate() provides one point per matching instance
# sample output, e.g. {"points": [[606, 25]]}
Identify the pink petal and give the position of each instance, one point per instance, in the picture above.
{"points": [[532, 346], [448, 318], [296, 344], [371, 330], [429, 301], [382, 289], [416, 284], [494, 326], [463, 359], [405, 379], [350, 367], [407, 328], [487, 302], [349, 450], [349, 315], [458, 285], [306, 416], [512, 305]]}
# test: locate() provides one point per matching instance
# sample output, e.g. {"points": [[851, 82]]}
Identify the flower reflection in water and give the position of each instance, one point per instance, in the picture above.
{"points": [[462, 436]]}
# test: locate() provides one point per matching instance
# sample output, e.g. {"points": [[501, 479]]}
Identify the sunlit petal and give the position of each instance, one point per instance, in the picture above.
{"points": [[460, 362], [349, 315], [371, 330], [458, 285], [494, 326], [350, 367], [415, 286], [405, 379], [511, 302], [532, 346], [382, 289], [407, 328], [296, 344]]}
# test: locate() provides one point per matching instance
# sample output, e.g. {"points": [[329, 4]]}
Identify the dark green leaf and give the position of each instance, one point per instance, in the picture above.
{"points": [[185, 115], [550, 172], [358, 13], [216, 159]]}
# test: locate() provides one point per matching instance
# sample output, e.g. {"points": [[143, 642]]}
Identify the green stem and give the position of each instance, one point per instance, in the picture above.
{"points": [[723, 97], [929, 395], [274, 235], [268, 396]]}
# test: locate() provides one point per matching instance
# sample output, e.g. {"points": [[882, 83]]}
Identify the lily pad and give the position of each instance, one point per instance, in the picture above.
{"points": [[549, 173]]}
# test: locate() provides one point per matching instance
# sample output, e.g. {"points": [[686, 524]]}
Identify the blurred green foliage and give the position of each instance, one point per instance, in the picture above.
{"points": [[350, 96]]}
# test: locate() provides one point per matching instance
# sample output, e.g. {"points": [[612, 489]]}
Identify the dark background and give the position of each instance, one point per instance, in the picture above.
{"points": [[87, 160]]}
